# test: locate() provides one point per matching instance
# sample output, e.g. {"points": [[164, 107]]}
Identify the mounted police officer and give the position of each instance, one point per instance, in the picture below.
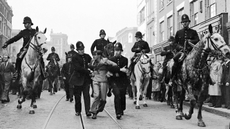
{"points": [[80, 79], [54, 56], [27, 34], [139, 47], [119, 80], [168, 53], [99, 43], [71, 50], [184, 39]]}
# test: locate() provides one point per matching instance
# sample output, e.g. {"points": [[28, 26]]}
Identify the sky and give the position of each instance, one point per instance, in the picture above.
{"points": [[81, 20]]}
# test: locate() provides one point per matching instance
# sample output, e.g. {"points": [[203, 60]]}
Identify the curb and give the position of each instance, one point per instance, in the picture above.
{"points": [[212, 110]]}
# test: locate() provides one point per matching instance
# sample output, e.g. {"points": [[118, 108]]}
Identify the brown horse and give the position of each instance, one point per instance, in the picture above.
{"points": [[195, 73]]}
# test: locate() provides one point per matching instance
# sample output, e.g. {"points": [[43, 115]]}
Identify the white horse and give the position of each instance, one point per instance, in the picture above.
{"points": [[140, 79], [31, 69]]}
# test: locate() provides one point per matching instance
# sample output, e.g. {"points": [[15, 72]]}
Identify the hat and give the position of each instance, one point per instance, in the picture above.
{"points": [[171, 39], [27, 20], [102, 32], [52, 48], [72, 46], [138, 34], [80, 45], [184, 18], [118, 47]]}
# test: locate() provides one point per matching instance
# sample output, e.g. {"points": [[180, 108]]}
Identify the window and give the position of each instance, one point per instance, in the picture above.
{"points": [[194, 6], [212, 8], [161, 4], [162, 31], [141, 16], [170, 26], [179, 14]]}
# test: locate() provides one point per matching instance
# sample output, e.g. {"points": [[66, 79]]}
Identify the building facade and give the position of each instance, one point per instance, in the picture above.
{"points": [[201, 13], [15, 47], [141, 17], [6, 15], [126, 37]]}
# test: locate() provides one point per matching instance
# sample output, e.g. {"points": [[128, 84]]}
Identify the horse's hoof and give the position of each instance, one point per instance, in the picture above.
{"points": [[134, 102], [201, 124], [31, 112], [178, 117], [138, 107], [19, 106], [145, 105], [35, 106], [187, 117]]}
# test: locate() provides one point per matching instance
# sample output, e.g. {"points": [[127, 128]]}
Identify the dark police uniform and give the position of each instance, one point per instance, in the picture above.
{"points": [[27, 35], [81, 80], [137, 48], [99, 43], [181, 40], [119, 83]]}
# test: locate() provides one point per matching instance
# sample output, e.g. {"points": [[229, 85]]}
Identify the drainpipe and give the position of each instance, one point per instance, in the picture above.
{"points": [[174, 17]]}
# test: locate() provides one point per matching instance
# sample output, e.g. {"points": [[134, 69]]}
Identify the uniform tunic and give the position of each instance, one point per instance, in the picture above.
{"points": [[99, 44]]}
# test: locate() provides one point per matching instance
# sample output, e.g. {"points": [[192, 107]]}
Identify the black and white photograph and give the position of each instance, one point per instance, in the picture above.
{"points": [[114, 64]]}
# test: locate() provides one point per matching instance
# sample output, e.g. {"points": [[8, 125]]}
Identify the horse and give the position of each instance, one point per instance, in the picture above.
{"points": [[53, 73], [109, 49], [31, 69], [139, 79], [195, 73]]}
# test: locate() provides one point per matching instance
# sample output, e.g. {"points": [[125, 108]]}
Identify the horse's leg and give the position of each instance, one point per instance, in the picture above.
{"points": [[144, 91], [192, 103], [201, 99], [175, 98], [23, 93], [138, 85], [32, 94], [134, 91]]}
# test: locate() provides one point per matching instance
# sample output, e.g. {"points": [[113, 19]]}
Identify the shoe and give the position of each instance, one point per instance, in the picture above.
{"points": [[122, 113], [67, 99], [118, 116], [94, 116], [77, 113], [210, 105], [71, 100], [88, 114]]}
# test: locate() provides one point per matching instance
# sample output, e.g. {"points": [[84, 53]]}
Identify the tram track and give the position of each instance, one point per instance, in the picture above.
{"points": [[114, 119], [51, 112]]}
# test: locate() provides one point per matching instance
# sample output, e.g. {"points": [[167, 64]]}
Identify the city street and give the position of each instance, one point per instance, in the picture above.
{"points": [[54, 112]]}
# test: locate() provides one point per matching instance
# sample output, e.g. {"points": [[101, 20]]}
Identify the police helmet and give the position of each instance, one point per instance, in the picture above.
{"points": [[27, 20], [72, 46], [52, 48], [118, 47], [138, 34], [80, 45], [184, 18], [102, 32]]}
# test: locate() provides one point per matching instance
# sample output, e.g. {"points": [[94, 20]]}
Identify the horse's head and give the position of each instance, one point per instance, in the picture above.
{"points": [[215, 42], [109, 49], [145, 63], [40, 37]]}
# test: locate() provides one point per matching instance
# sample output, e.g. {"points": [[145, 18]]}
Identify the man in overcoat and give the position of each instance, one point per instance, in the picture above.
{"points": [[6, 71]]}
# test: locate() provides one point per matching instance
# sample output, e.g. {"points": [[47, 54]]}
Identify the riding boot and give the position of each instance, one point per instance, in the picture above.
{"points": [[43, 76], [17, 69]]}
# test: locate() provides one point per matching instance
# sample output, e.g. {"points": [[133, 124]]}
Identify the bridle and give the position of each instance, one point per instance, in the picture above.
{"points": [[141, 68]]}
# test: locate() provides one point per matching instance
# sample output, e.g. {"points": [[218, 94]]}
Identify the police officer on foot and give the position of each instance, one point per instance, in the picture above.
{"points": [[184, 39], [81, 79], [119, 80], [27, 34], [140, 46], [100, 43]]}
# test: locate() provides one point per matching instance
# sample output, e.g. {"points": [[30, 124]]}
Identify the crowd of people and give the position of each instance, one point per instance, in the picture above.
{"points": [[103, 75]]}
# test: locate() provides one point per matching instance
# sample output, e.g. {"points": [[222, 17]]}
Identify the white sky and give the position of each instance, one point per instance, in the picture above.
{"points": [[79, 19]]}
